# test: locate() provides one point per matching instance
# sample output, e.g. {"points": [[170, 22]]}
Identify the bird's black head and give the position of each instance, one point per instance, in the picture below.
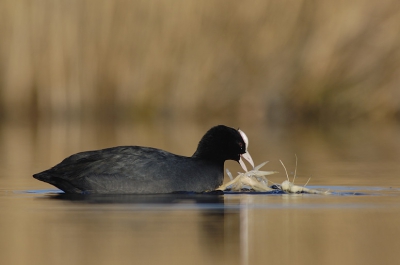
{"points": [[222, 143]]}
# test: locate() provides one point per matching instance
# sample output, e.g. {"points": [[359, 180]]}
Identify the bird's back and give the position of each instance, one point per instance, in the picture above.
{"points": [[132, 169]]}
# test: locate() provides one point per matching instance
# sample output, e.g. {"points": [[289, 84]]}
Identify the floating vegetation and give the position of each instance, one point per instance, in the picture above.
{"points": [[256, 181], [251, 180]]}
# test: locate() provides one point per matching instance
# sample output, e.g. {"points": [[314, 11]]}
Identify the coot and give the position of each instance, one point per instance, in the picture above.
{"points": [[136, 169]]}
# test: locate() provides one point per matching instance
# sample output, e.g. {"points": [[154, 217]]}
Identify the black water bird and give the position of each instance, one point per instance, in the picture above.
{"points": [[145, 170]]}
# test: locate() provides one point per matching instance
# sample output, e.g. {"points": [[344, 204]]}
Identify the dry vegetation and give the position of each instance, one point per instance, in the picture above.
{"points": [[295, 60]]}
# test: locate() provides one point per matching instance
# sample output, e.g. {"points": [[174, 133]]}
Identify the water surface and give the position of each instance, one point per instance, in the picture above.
{"points": [[357, 225]]}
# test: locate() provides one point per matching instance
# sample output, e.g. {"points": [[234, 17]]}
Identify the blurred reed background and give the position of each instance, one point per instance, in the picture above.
{"points": [[259, 61]]}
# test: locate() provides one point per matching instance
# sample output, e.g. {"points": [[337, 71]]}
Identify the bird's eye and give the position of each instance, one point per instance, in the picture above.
{"points": [[240, 144]]}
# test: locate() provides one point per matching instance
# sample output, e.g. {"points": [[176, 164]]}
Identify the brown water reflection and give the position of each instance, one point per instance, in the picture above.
{"points": [[43, 228], [232, 229]]}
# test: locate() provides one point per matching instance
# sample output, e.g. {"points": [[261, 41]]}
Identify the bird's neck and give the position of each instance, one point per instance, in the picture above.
{"points": [[206, 154]]}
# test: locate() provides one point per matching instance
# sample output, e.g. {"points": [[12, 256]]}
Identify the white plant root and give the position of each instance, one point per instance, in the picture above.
{"points": [[289, 187], [256, 180]]}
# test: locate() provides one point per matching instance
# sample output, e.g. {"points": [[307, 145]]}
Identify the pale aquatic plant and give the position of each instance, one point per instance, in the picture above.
{"points": [[256, 180], [289, 187], [250, 180]]}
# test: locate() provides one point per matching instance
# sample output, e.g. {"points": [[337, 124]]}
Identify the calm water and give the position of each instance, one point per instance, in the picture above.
{"points": [[41, 226]]}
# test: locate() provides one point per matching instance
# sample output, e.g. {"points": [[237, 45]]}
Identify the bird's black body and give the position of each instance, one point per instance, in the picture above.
{"points": [[144, 170]]}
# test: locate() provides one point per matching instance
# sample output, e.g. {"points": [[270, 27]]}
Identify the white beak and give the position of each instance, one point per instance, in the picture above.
{"points": [[248, 158], [245, 155]]}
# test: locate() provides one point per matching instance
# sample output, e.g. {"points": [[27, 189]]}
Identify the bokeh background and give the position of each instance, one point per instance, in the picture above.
{"points": [[316, 78], [260, 61]]}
